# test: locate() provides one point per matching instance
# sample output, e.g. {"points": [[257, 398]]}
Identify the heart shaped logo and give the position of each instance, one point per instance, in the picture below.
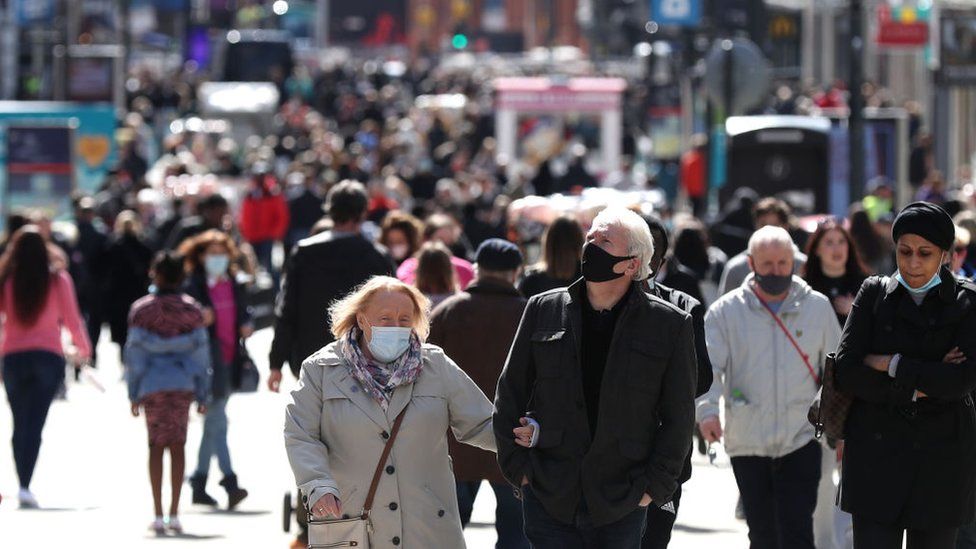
{"points": [[94, 149]]}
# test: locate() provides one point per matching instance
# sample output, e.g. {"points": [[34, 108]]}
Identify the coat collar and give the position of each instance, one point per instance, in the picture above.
{"points": [[492, 286], [350, 388], [577, 293]]}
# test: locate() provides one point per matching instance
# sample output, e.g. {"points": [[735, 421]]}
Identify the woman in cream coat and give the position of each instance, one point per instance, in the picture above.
{"points": [[350, 393]]}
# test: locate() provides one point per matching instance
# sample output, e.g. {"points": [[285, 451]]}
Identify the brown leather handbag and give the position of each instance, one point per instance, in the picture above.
{"points": [[829, 410]]}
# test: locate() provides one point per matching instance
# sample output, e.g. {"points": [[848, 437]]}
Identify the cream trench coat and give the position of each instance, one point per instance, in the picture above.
{"points": [[335, 433]]}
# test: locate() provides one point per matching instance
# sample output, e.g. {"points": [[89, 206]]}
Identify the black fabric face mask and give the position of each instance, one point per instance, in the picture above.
{"points": [[773, 284], [598, 264]]}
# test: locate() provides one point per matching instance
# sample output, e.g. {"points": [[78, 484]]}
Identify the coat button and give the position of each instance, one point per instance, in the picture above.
{"points": [[385, 435], [440, 513], [393, 506], [396, 540], [390, 469]]}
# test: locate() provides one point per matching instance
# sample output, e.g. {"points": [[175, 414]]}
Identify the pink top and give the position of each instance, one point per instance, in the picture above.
{"points": [[225, 317], [407, 273], [60, 310]]}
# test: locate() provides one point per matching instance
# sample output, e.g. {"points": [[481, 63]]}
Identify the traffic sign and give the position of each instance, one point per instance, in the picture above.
{"points": [[679, 13]]}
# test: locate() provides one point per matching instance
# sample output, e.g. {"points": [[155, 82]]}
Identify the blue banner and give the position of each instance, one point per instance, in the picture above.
{"points": [[678, 13], [35, 12]]}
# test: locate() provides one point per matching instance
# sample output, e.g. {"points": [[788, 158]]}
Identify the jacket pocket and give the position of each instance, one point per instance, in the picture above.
{"points": [[547, 348], [440, 514], [646, 363]]}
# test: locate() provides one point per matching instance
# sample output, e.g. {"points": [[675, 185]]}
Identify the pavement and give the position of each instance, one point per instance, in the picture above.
{"points": [[92, 482]]}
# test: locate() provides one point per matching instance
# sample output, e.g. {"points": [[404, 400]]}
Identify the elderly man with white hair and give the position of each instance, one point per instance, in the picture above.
{"points": [[609, 373], [767, 341]]}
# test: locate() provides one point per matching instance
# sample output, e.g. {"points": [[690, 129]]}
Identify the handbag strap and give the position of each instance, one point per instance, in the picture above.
{"points": [[806, 359], [379, 466]]}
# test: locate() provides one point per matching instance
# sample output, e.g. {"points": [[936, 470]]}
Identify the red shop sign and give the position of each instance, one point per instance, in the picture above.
{"points": [[893, 33]]}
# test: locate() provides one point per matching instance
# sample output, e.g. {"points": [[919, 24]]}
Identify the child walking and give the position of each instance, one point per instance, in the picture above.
{"points": [[167, 359]]}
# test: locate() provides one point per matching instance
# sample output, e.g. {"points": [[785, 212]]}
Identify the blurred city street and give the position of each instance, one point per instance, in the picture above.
{"points": [[93, 488]]}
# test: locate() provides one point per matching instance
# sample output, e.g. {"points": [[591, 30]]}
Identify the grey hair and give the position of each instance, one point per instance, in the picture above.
{"points": [[639, 241], [769, 235]]}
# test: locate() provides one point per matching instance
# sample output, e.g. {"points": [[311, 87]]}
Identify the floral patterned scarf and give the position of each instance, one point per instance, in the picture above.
{"points": [[380, 380]]}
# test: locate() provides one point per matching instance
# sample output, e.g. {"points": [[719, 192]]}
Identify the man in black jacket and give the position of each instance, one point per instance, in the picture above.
{"points": [[608, 371], [322, 269], [660, 520]]}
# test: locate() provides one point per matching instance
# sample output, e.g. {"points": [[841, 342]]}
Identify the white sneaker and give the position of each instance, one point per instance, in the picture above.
{"points": [[27, 499], [174, 525]]}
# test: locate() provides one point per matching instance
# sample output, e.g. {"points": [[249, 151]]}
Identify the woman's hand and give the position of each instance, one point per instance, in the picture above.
{"points": [[954, 356], [246, 331], [878, 362], [135, 409], [327, 506], [202, 409], [523, 434]]}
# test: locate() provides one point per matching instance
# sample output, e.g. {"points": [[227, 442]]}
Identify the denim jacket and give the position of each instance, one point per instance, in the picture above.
{"points": [[155, 363]]}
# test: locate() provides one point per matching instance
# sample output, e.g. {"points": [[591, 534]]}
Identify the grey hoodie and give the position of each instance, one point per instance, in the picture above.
{"points": [[766, 386]]}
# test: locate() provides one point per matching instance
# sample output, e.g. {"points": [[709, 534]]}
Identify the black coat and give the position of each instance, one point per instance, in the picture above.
{"points": [[910, 464], [693, 307], [683, 279], [127, 269], [196, 287], [647, 406], [322, 269]]}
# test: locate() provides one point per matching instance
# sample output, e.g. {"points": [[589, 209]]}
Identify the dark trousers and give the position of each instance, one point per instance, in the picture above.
{"points": [[545, 532], [660, 521], [93, 325], [32, 379], [508, 512], [779, 495], [871, 535]]}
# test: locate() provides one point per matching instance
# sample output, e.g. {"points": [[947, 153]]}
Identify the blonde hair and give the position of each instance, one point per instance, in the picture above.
{"points": [[342, 313]]}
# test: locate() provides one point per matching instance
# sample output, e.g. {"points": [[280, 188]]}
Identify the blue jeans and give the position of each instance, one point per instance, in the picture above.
{"points": [[545, 532], [32, 379], [508, 513], [214, 440]]}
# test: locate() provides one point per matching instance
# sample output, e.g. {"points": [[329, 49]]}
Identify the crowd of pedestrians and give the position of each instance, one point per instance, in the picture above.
{"points": [[571, 367]]}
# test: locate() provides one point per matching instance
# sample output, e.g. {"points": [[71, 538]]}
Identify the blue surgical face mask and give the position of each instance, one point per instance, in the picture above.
{"points": [[932, 283], [387, 343], [216, 265]]}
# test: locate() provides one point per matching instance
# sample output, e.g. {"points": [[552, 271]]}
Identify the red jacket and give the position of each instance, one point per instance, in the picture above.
{"points": [[693, 173], [264, 216]]}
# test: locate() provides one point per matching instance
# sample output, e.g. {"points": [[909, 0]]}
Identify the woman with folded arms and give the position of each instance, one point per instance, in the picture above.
{"points": [[908, 356]]}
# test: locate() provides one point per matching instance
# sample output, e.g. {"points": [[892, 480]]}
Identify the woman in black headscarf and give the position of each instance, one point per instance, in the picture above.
{"points": [[908, 355]]}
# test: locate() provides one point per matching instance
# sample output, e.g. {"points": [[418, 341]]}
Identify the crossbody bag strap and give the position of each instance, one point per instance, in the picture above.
{"points": [[379, 466], [806, 359]]}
